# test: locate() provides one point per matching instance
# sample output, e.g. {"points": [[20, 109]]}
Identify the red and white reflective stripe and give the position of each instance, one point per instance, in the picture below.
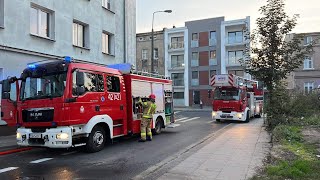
{"points": [[231, 81], [212, 81]]}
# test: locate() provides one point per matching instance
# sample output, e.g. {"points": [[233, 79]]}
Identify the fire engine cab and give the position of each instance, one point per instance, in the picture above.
{"points": [[63, 103], [235, 98]]}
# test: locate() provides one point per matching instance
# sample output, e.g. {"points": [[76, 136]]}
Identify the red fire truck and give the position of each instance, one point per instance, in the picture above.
{"points": [[65, 103], [236, 98]]}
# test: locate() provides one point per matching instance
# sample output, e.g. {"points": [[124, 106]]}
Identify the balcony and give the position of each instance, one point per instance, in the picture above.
{"points": [[231, 63], [233, 42], [176, 46], [194, 43]]}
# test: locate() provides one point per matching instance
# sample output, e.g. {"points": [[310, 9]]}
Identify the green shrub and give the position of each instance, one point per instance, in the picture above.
{"points": [[287, 133]]}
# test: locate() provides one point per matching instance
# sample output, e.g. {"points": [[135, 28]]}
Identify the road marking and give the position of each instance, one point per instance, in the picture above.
{"points": [[40, 160], [177, 112], [7, 169], [181, 119], [191, 119], [68, 153]]}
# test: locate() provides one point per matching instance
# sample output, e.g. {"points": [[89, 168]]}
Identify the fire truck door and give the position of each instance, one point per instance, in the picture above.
{"points": [[116, 97], [9, 102]]}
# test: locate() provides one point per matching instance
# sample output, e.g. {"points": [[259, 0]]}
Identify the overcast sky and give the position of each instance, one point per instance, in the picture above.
{"points": [[186, 10]]}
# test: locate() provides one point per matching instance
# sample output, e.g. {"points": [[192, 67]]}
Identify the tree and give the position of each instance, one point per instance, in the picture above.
{"points": [[272, 56]]}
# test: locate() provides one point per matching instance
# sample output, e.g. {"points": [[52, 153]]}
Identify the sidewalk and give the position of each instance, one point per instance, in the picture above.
{"points": [[235, 154], [8, 142]]}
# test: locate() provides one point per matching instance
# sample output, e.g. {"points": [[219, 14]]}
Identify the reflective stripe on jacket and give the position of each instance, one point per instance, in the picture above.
{"points": [[149, 108]]}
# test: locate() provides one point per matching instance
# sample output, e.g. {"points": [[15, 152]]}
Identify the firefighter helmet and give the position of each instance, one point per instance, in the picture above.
{"points": [[152, 96]]}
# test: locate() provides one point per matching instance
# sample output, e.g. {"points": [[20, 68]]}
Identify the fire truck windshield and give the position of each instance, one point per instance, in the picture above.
{"points": [[46, 86], [227, 94]]}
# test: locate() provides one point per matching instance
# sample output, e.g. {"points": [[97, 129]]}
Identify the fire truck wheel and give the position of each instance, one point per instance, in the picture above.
{"points": [[218, 120], [96, 139], [157, 130], [248, 117]]}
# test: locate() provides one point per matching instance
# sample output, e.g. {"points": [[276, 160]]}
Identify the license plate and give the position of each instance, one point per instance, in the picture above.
{"points": [[35, 136]]}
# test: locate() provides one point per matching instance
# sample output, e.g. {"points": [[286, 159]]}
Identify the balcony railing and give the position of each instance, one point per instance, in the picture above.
{"points": [[194, 62], [176, 45], [195, 82], [212, 42], [194, 43], [213, 62]]}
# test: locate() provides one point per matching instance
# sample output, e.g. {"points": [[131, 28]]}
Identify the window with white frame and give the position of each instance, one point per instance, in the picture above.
{"points": [[78, 34], [1, 13], [234, 57], [144, 54], [178, 79], [39, 22], [177, 61], [308, 87], [307, 40], [106, 42], [235, 37], [308, 63], [106, 4], [156, 53]]}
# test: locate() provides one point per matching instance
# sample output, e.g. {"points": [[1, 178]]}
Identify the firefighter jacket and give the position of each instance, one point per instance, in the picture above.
{"points": [[149, 108]]}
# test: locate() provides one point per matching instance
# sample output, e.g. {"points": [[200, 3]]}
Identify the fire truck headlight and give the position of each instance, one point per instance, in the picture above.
{"points": [[239, 115], [62, 136], [214, 114], [18, 135]]}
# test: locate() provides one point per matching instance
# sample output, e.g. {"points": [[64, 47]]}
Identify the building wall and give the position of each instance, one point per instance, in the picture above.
{"points": [[203, 27], [143, 41], [18, 47], [300, 76], [181, 50]]}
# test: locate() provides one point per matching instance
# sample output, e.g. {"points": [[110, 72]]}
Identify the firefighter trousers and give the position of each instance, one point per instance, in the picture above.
{"points": [[145, 128]]}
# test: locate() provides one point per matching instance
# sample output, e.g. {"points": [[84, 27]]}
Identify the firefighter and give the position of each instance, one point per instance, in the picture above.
{"points": [[149, 108]]}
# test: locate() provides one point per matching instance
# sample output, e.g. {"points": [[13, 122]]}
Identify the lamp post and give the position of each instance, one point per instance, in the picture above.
{"points": [[152, 39]]}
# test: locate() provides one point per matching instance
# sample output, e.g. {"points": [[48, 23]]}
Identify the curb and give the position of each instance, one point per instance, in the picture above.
{"points": [[177, 155], [16, 150]]}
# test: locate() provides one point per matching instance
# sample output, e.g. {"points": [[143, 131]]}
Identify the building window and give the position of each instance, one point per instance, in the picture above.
{"points": [[195, 59], [307, 40], [144, 54], [106, 41], [195, 36], [212, 73], [177, 61], [308, 63], [178, 79], [234, 57], [1, 13], [213, 58], [213, 38], [236, 72], [145, 65], [156, 53], [78, 35], [235, 37], [308, 87], [39, 22], [195, 78], [106, 4], [178, 95], [176, 43], [113, 84]]}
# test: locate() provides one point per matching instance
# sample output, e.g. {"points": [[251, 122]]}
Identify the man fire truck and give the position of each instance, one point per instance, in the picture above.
{"points": [[236, 98], [63, 103]]}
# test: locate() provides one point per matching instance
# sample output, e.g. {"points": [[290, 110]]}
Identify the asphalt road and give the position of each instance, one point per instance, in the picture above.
{"points": [[124, 159]]}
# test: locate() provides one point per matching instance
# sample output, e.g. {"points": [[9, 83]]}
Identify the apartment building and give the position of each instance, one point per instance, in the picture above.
{"points": [[143, 63], [215, 47], [102, 31], [307, 76], [176, 63]]}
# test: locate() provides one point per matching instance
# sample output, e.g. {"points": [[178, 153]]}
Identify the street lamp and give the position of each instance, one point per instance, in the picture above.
{"points": [[152, 39]]}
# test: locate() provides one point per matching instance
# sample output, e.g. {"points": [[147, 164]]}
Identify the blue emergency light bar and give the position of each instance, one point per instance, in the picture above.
{"points": [[125, 68]]}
